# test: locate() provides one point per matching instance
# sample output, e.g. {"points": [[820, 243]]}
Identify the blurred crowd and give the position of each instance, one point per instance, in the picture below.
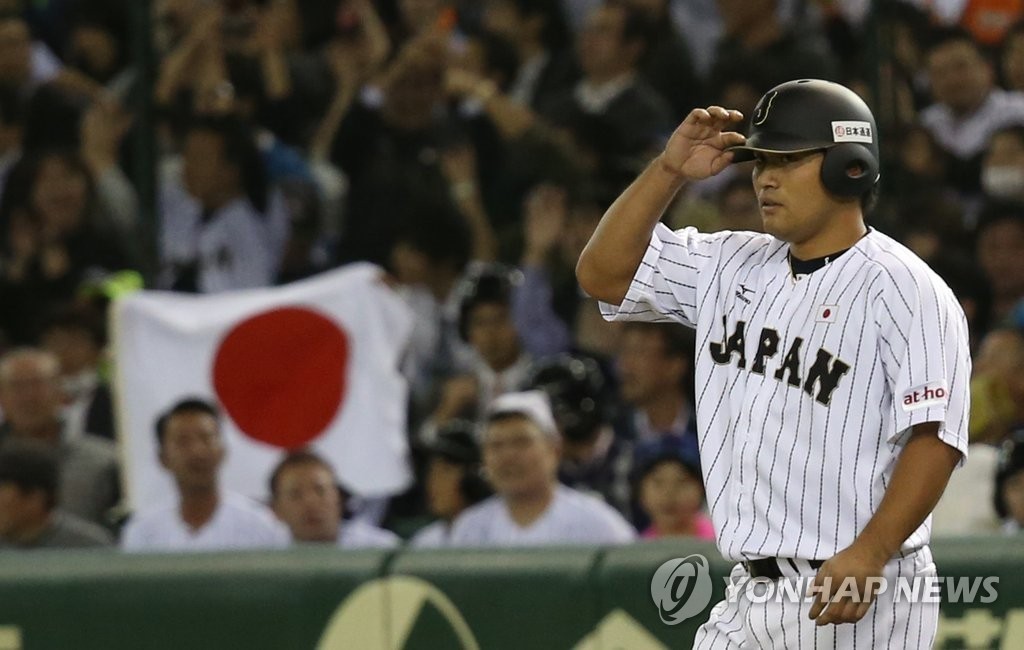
{"points": [[468, 147]]}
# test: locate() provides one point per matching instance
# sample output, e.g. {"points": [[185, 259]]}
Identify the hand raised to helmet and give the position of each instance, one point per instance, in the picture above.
{"points": [[697, 148]]}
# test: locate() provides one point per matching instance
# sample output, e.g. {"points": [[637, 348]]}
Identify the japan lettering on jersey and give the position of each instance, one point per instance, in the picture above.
{"points": [[807, 386]]}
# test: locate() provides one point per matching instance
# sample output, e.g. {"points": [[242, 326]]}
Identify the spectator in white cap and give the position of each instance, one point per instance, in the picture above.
{"points": [[520, 456]]}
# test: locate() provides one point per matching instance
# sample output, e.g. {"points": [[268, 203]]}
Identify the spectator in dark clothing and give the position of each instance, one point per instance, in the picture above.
{"points": [[753, 35], [537, 30], [667, 64], [29, 518], [612, 114], [968, 107], [54, 239], [655, 365], [1000, 253], [390, 151], [221, 227], [30, 397], [77, 337]]}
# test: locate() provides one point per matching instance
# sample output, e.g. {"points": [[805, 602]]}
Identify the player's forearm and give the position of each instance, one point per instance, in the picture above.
{"points": [[611, 257], [921, 474]]}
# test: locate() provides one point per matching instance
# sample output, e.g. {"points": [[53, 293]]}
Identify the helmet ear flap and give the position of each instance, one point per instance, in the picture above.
{"points": [[849, 169]]}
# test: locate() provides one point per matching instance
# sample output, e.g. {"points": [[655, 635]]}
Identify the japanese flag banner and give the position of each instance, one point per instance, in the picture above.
{"points": [[314, 363]]}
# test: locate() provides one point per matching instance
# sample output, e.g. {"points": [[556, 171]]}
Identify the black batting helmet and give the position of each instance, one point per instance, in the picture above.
{"points": [[576, 387], [810, 115]]}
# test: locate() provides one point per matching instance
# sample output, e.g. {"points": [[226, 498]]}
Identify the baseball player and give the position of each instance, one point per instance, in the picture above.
{"points": [[832, 368]]}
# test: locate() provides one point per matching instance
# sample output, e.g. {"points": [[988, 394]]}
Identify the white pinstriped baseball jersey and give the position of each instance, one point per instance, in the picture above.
{"points": [[806, 388]]}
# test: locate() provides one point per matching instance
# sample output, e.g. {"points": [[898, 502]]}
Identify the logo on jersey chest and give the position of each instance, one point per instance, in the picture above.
{"points": [[742, 292], [821, 378]]}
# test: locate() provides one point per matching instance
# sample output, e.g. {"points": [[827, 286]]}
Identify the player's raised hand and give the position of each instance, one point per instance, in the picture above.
{"points": [[697, 148], [845, 586]]}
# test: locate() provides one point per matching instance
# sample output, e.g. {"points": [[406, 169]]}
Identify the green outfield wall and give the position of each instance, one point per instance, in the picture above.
{"points": [[324, 599]]}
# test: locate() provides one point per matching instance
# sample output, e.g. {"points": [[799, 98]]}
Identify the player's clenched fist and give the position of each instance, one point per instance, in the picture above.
{"points": [[697, 148]]}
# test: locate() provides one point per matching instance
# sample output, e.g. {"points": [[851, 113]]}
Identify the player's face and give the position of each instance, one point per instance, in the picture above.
{"points": [[444, 498], [308, 502], [670, 495], [794, 204], [192, 450], [520, 460]]}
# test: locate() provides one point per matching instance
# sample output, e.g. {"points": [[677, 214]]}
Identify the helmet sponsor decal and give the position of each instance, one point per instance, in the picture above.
{"points": [[852, 131]]}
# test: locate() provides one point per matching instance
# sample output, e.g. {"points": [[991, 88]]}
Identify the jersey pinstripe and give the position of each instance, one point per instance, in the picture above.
{"points": [[807, 386]]}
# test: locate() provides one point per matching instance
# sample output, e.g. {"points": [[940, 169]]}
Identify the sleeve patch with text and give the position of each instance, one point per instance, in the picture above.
{"points": [[933, 393]]}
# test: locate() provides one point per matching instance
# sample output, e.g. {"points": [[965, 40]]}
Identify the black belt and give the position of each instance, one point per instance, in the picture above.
{"points": [[768, 568]]}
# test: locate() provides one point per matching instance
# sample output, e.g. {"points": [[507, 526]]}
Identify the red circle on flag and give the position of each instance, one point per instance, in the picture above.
{"points": [[281, 375], [826, 313]]}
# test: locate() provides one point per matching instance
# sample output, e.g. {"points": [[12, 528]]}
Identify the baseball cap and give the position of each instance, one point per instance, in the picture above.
{"points": [[531, 404]]}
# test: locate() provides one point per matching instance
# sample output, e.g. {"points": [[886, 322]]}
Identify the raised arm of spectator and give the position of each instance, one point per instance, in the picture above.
{"points": [[542, 332], [77, 83], [343, 60], [375, 45], [510, 118], [459, 166], [102, 130], [514, 121], [268, 45], [178, 67], [213, 92]]}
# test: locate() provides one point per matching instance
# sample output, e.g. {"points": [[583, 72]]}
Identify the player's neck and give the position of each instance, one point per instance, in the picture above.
{"points": [[831, 241], [527, 507]]}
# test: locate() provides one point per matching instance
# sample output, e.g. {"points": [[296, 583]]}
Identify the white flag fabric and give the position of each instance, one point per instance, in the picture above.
{"points": [[313, 363]]}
